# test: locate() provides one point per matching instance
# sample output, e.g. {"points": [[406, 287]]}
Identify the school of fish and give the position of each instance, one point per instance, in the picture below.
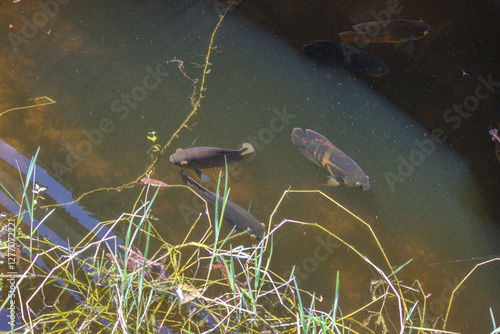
{"points": [[314, 146], [401, 32]]}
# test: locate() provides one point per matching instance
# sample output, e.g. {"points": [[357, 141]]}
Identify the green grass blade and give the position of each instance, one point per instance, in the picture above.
{"points": [[336, 302]]}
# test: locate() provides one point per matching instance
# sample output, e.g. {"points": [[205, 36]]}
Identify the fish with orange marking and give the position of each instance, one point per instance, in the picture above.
{"points": [[319, 150], [393, 31]]}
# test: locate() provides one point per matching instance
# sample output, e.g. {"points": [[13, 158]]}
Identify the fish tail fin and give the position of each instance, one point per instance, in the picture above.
{"points": [[247, 148]]}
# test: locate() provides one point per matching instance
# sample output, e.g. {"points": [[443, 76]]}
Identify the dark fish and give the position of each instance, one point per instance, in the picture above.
{"points": [[396, 31], [234, 214], [345, 56], [207, 157], [322, 152]]}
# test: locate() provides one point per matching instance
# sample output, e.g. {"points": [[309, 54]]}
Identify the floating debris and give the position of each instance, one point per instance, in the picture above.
{"points": [[185, 293], [154, 182]]}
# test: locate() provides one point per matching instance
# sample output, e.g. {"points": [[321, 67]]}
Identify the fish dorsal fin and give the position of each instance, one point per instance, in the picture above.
{"points": [[194, 141], [358, 27], [311, 134], [250, 205]]}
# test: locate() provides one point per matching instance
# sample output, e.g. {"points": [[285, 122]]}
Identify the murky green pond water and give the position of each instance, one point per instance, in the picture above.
{"points": [[105, 65]]}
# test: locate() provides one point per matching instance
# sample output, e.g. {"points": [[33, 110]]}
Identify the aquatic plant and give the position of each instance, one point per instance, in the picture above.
{"points": [[199, 286], [39, 101], [146, 284]]}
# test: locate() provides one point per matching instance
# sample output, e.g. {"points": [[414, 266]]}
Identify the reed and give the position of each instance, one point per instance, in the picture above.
{"points": [[100, 286], [203, 286]]}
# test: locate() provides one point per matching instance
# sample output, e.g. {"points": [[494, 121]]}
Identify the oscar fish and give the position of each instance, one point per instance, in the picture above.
{"points": [[207, 157], [345, 56], [322, 152], [395, 31], [234, 214]]}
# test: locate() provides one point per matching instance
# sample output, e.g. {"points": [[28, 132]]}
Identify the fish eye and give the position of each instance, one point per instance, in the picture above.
{"points": [[184, 163], [359, 185]]}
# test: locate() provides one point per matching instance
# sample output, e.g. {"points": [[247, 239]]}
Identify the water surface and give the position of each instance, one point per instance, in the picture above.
{"points": [[106, 66]]}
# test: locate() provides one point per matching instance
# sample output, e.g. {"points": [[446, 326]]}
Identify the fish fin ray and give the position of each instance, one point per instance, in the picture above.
{"points": [[204, 177], [332, 182], [409, 47]]}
